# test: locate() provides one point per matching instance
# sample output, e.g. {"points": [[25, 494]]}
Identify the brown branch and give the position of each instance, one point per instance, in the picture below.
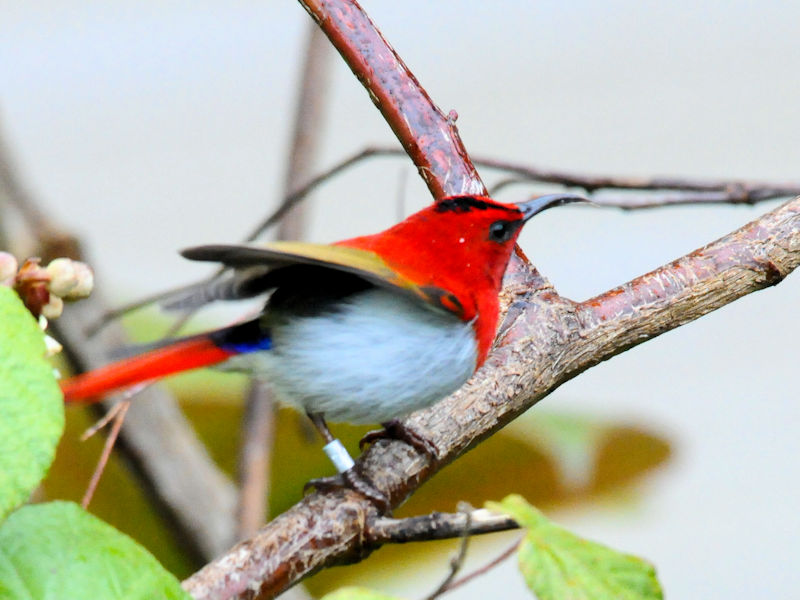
{"points": [[309, 123], [255, 459], [728, 191], [436, 526], [428, 136]]}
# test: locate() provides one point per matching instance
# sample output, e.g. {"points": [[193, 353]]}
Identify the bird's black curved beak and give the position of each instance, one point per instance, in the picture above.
{"points": [[537, 205]]}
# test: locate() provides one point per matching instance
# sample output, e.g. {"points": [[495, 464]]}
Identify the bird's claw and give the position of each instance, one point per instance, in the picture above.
{"points": [[396, 430], [352, 480]]}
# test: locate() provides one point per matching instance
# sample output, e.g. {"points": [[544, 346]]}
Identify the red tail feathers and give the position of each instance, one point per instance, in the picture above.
{"points": [[179, 356]]}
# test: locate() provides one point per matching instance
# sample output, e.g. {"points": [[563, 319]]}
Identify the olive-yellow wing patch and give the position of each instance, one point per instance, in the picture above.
{"points": [[362, 263]]}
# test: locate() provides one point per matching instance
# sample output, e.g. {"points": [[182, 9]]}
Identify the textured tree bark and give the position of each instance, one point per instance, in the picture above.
{"points": [[428, 136]]}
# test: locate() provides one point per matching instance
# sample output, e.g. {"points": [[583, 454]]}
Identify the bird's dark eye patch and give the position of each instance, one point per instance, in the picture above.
{"points": [[502, 231]]}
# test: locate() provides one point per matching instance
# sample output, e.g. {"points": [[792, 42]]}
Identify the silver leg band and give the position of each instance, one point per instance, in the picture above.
{"points": [[339, 456]]}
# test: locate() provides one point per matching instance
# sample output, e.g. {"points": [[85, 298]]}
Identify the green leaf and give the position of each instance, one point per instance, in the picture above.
{"points": [[31, 405], [559, 565], [357, 593], [58, 551]]}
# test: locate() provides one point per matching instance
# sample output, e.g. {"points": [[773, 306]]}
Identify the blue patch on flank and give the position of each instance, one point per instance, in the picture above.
{"points": [[244, 347]]}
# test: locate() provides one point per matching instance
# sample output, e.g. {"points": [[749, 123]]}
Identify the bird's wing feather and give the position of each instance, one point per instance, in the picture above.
{"points": [[362, 263]]}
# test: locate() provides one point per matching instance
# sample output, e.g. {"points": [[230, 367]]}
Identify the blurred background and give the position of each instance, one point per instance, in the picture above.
{"points": [[146, 128]]}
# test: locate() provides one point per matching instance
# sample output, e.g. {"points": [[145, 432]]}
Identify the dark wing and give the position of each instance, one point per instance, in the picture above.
{"points": [[254, 264]]}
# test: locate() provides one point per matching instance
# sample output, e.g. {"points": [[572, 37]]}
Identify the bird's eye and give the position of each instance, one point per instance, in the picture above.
{"points": [[502, 231]]}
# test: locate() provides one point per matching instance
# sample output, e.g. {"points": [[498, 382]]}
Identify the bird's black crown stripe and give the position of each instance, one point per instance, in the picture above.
{"points": [[461, 204]]}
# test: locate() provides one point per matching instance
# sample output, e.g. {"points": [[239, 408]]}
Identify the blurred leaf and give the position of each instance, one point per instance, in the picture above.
{"points": [[590, 455], [31, 406], [357, 593], [559, 565], [572, 441], [58, 551]]}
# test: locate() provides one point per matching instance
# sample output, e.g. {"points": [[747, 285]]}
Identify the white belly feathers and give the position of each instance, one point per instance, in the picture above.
{"points": [[377, 357]]}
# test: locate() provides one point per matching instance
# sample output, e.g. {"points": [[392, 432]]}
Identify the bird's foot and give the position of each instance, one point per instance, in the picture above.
{"points": [[396, 430], [355, 481]]}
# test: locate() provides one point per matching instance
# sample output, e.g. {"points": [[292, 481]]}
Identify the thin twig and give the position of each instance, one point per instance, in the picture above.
{"points": [[119, 417], [684, 191], [112, 315], [291, 200], [288, 203], [458, 560], [437, 526], [309, 123], [484, 569], [103, 421]]}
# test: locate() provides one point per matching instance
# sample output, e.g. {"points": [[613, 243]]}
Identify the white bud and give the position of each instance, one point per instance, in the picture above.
{"points": [[53, 308], [62, 276], [85, 281], [52, 346], [69, 278], [8, 268]]}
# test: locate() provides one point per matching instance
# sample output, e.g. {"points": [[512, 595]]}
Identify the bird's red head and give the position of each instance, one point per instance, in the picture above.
{"points": [[460, 244]]}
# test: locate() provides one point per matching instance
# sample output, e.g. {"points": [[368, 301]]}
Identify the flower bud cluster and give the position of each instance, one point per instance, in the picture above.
{"points": [[44, 289]]}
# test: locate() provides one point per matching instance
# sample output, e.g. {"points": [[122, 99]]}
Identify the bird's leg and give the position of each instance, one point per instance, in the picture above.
{"points": [[348, 476], [396, 430], [338, 454]]}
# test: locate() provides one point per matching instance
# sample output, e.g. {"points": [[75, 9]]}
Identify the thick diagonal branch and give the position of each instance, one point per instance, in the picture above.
{"points": [[428, 136]]}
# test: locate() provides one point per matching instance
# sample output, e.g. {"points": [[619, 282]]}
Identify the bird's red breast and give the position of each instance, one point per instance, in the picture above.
{"points": [[445, 247]]}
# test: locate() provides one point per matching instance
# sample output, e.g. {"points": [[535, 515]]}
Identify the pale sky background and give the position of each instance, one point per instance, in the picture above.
{"points": [[148, 127]]}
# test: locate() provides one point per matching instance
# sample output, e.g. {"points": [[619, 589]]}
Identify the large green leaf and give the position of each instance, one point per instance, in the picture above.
{"points": [[31, 406], [357, 593], [58, 551], [559, 565]]}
